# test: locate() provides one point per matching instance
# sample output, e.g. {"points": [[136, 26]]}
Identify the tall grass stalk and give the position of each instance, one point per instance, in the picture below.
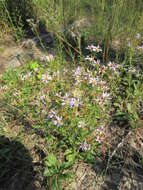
{"points": [[110, 20], [10, 20]]}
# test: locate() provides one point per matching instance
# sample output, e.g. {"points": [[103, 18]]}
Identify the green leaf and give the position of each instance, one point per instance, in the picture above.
{"points": [[34, 65], [70, 157], [66, 165], [136, 116], [39, 75], [67, 176], [36, 126], [67, 152], [51, 160], [129, 107]]}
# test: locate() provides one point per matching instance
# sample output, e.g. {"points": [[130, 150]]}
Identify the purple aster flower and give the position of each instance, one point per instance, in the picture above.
{"points": [[93, 80], [43, 97], [85, 146], [94, 48], [100, 134], [91, 59], [52, 114], [105, 95], [77, 71], [46, 77], [47, 58], [58, 121], [26, 76], [140, 47]]}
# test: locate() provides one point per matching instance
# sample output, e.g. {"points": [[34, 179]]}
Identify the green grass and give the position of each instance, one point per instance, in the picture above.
{"points": [[109, 20]]}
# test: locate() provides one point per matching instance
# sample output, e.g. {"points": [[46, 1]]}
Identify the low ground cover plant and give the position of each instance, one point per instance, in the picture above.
{"points": [[74, 105]]}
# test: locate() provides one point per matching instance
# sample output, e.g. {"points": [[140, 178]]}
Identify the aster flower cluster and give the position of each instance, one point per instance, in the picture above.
{"points": [[93, 62], [26, 76], [77, 74], [81, 75], [93, 80], [94, 48], [103, 98], [92, 58], [48, 58], [89, 58], [100, 97], [55, 118], [71, 101], [100, 134], [113, 67], [140, 47], [49, 76]]}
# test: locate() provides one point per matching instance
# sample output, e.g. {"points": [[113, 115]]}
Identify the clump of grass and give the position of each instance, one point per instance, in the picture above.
{"points": [[109, 21], [16, 15]]}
